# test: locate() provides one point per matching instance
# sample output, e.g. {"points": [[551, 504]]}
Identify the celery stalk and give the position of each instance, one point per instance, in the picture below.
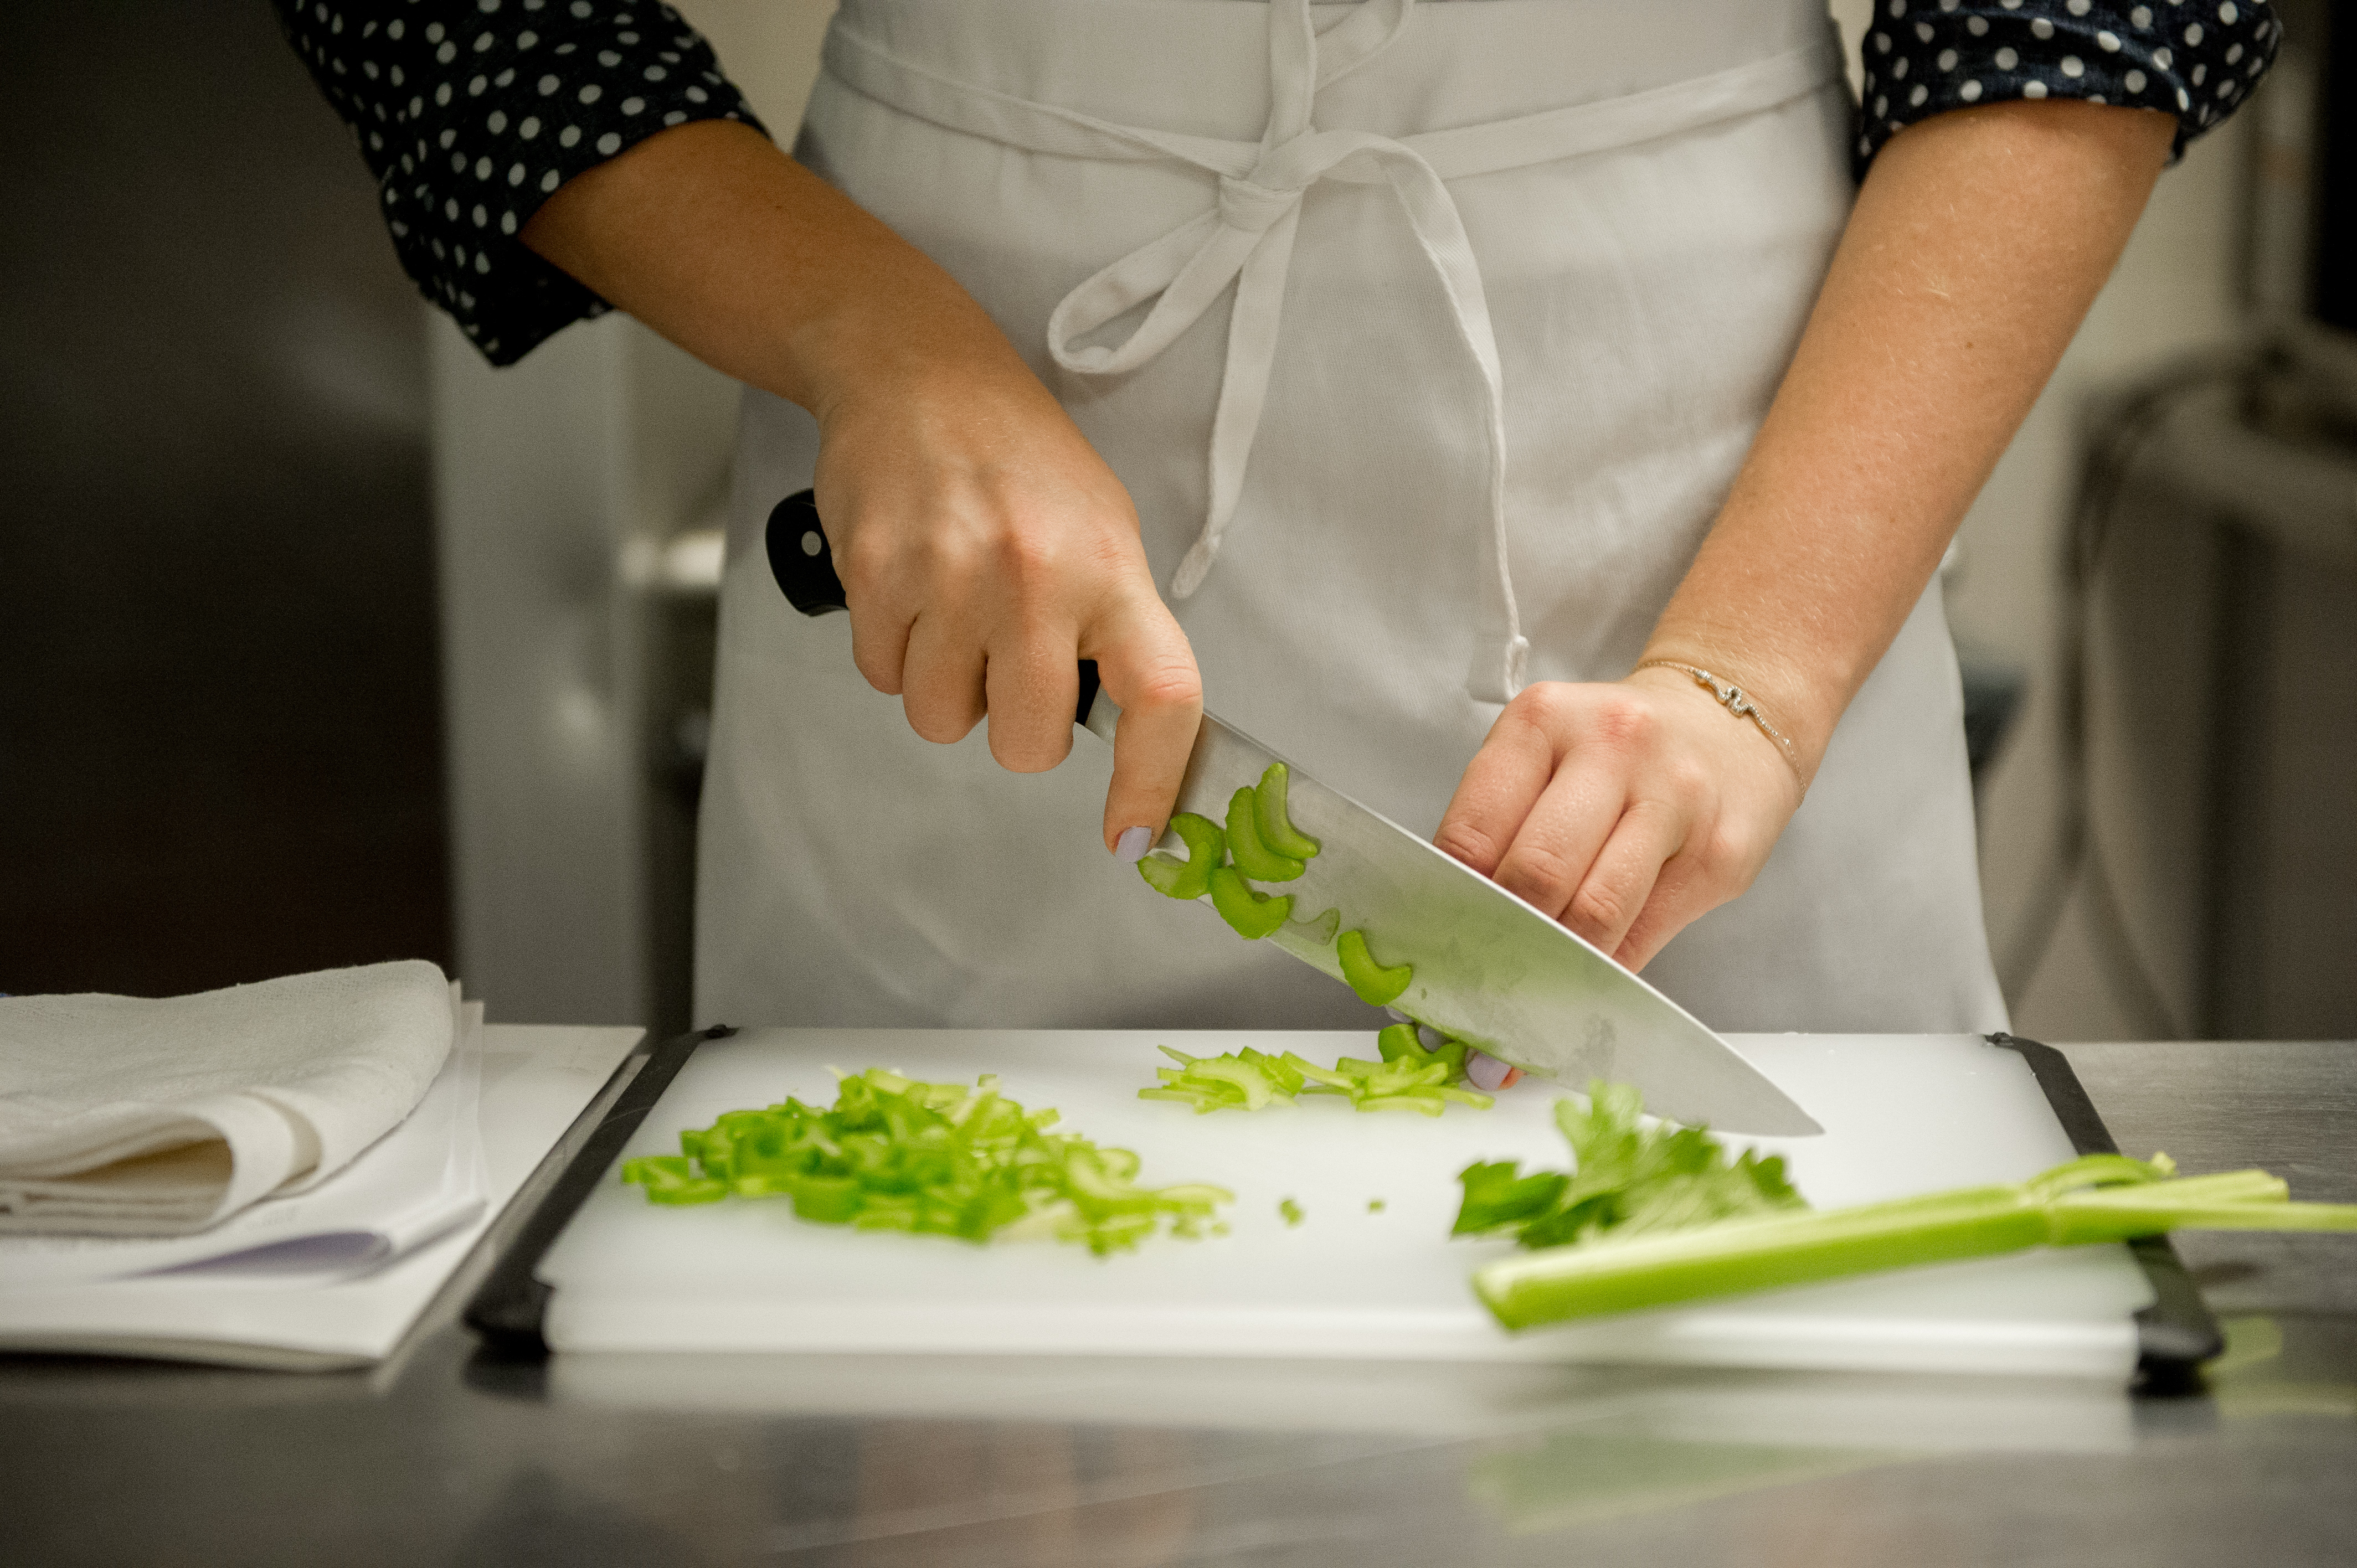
{"points": [[1626, 1273]]}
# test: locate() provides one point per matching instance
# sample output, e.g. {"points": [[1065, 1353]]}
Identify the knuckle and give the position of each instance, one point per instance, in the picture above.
{"points": [[1537, 874], [1030, 563], [865, 562], [1687, 782], [1599, 908], [1463, 841], [1169, 681], [1732, 859], [1544, 706], [1622, 719]]}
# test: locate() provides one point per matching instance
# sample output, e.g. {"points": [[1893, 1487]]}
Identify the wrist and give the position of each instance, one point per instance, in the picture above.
{"points": [[1720, 683], [908, 336]]}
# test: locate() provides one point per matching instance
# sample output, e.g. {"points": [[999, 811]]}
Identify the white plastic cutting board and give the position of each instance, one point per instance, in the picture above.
{"points": [[1902, 1113]]}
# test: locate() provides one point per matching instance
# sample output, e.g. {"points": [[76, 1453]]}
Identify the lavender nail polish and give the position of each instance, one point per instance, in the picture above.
{"points": [[1485, 1073], [1131, 847]]}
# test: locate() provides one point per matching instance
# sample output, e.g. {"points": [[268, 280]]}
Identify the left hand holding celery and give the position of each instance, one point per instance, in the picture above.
{"points": [[1656, 1216]]}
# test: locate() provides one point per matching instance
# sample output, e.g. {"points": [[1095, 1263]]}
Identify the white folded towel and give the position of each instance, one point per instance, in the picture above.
{"points": [[125, 1116]]}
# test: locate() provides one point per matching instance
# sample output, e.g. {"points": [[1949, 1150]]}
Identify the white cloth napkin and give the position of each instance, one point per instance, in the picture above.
{"points": [[125, 1116]]}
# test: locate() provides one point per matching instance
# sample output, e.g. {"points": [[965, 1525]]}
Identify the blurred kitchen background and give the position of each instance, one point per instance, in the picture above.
{"points": [[320, 643]]}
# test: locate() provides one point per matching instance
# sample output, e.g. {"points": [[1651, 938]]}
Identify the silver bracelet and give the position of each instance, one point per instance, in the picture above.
{"points": [[1736, 701]]}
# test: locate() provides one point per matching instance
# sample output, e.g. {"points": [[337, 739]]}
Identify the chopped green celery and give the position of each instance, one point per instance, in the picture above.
{"points": [[1391, 1086], [1374, 1206], [1290, 1210], [1250, 1080], [1656, 1215], [1275, 821], [669, 1180], [1377, 986], [1238, 1080], [1319, 931], [1206, 843], [935, 1159], [1400, 1042], [1252, 857], [1253, 914]]}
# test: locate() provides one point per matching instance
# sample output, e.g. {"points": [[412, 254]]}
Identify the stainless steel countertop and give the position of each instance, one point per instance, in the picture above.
{"points": [[441, 1458]]}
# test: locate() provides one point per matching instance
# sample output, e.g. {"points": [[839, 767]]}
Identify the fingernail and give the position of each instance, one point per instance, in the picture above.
{"points": [[1487, 1073], [1131, 847], [1397, 1016], [1430, 1039]]}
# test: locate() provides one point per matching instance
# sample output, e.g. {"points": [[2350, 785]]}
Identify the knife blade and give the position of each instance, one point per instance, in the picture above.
{"points": [[1489, 969]]}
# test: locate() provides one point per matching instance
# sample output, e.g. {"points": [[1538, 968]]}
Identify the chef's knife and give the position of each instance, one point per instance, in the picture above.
{"points": [[1489, 969]]}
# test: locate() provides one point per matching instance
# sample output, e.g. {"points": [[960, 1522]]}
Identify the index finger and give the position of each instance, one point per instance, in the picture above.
{"points": [[1147, 667]]}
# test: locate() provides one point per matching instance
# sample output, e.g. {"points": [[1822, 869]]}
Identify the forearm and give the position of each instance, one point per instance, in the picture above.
{"points": [[986, 549], [727, 247], [1977, 243]]}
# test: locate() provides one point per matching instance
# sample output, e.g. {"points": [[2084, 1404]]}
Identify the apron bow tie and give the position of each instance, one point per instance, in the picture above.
{"points": [[1248, 239]]}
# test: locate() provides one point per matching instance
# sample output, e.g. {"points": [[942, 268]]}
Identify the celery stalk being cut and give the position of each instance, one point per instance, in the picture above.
{"points": [[1649, 1220]]}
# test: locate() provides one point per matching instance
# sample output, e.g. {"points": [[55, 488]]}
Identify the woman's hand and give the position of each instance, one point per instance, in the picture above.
{"points": [[1977, 240], [1624, 809], [984, 550], [983, 546]]}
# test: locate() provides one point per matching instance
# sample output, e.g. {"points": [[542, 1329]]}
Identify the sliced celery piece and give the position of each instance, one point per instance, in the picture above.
{"points": [[1253, 914], [1253, 858], [1275, 823], [1190, 878], [1376, 984]]}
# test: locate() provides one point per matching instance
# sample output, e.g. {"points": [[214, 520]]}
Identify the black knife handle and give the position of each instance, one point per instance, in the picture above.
{"points": [[804, 567]]}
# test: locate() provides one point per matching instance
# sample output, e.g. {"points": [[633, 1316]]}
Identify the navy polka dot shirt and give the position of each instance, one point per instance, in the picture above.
{"points": [[472, 111], [2196, 61]]}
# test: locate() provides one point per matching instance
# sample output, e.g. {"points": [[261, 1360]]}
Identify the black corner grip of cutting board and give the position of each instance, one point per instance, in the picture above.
{"points": [[512, 1304], [2177, 1333], [803, 565]]}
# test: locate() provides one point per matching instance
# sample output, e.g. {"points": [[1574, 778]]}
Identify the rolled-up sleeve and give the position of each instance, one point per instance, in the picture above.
{"points": [[472, 112], [2195, 61]]}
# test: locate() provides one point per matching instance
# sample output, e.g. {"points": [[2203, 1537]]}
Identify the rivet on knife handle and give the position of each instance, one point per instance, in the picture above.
{"points": [[804, 568]]}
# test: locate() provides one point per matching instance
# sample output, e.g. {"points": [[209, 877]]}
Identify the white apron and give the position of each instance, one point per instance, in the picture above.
{"points": [[1427, 343]]}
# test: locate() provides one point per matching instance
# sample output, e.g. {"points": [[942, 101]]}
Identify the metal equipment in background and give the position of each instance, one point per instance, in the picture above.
{"points": [[2211, 622], [578, 498]]}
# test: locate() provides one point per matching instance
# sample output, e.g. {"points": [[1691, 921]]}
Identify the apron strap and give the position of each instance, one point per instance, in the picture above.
{"points": [[1247, 237]]}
